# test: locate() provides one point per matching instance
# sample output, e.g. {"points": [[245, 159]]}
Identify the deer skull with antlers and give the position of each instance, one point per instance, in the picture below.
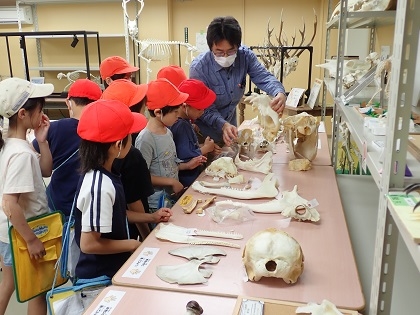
{"points": [[272, 56]]}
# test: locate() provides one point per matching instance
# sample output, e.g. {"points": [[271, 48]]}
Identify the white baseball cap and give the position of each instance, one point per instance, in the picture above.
{"points": [[14, 92]]}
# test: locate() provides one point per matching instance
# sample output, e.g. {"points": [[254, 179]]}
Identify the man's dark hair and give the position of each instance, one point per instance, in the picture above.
{"points": [[224, 27]]}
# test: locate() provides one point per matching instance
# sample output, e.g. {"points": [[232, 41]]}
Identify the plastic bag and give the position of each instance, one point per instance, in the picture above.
{"points": [[230, 214]]}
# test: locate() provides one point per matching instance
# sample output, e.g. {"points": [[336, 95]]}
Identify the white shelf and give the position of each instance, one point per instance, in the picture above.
{"points": [[363, 139], [412, 247], [79, 36], [365, 19], [63, 1], [64, 68]]}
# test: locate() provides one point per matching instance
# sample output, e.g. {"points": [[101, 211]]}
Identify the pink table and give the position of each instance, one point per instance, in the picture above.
{"points": [[129, 300], [330, 268]]}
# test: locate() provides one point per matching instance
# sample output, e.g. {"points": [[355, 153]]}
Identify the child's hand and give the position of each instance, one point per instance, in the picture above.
{"points": [[208, 145], [41, 131], [177, 186], [36, 249], [217, 150], [162, 215], [196, 161]]}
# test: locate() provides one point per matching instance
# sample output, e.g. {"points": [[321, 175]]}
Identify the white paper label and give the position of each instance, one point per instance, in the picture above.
{"points": [[140, 264]]}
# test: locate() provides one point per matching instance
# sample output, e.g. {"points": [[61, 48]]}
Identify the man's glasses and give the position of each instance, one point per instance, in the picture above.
{"points": [[220, 53]]}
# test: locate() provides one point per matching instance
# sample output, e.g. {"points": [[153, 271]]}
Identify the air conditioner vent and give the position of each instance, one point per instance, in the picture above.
{"points": [[9, 15]]}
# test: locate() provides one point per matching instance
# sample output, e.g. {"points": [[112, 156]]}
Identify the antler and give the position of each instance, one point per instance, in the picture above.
{"points": [[302, 33], [279, 38]]}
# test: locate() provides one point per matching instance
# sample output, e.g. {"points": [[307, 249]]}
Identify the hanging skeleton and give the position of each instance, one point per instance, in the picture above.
{"points": [[153, 49], [75, 75], [271, 56]]}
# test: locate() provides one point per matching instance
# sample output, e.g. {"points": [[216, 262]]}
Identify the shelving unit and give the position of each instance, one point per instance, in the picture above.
{"points": [[389, 175], [53, 34], [41, 67]]}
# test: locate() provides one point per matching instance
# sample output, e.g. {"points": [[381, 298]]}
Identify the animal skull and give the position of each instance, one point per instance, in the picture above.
{"points": [[273, 253], [268, 119], [301, 135], [222, 167]]}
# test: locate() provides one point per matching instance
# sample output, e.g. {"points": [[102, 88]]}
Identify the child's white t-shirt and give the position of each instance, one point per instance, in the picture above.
{"points": [[20, 173]]}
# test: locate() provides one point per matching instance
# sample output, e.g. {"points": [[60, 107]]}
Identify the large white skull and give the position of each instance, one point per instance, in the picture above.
{"points": [[268, 119], [222, 167], [273, 253], [301, 135]]}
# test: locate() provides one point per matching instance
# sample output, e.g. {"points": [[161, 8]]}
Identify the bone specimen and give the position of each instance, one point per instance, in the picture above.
{"points": [[273, 253], [238, 179], [268, 119], [301, 135], [290, 205], [383, 68], [245, 142], [325, 308], [178, 234], [198, 252], [187, 273], [300, 165], [222, 167], [365, 5], [268, 189], [74, 75], [205, 204], [214, 185], [193, 308], [191, 206], [152, 49], [262, 165]]}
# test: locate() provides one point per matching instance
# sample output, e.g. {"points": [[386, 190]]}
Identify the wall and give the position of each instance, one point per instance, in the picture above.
{"points": [[164, 20]]}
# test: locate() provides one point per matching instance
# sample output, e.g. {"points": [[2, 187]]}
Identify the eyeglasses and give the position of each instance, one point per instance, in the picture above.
{"points": [[221, 53]]}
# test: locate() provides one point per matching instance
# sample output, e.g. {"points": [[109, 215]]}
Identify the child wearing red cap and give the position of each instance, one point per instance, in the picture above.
{"points": [[64, 144], [114, 68], [186, 142], [100, 215], [135, 175], [22, 192], [156, 142], [174, 74]]}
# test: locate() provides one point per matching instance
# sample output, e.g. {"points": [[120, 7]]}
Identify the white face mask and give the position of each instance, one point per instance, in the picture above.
{"points": [[225, 61]]}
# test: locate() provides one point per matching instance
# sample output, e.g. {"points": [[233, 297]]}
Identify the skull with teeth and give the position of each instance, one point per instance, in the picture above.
{"points": [[273, 253]]}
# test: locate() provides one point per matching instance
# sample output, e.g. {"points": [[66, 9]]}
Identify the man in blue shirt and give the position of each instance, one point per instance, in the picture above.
{"points": [[223, 69]]}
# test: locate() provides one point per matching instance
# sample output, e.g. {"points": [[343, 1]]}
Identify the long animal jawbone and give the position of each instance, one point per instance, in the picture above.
{"points": [[268, 189]]}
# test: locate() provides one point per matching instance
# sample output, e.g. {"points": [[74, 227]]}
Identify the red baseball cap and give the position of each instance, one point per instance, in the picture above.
{"points": [[85, 88], [115, 65], [107, 121], [174, 74], [200, 96], [125, 91], [163, 93]]}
